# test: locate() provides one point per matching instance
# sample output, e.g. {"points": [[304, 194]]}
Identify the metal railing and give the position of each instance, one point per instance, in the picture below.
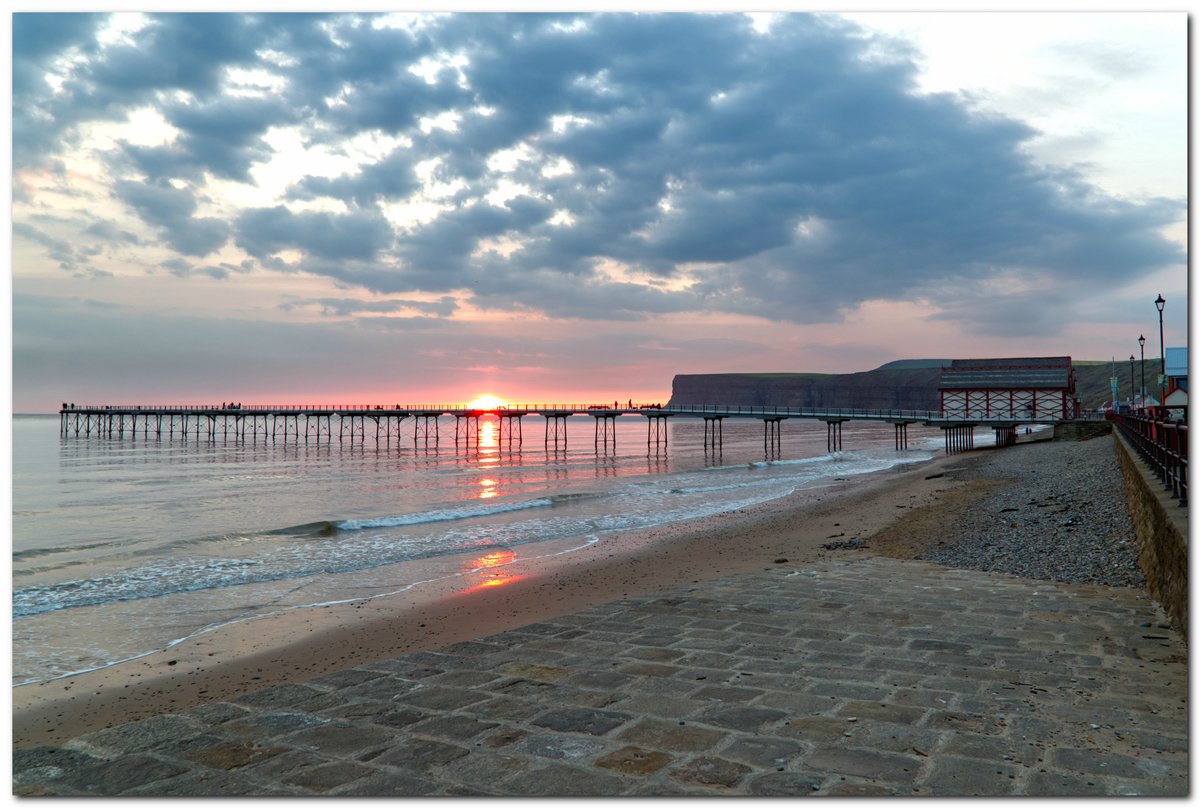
{"points": [[729, 410], [1163, 445]]}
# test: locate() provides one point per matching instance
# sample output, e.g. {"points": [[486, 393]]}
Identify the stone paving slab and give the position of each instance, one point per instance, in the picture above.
{"points": [[861, 677]]}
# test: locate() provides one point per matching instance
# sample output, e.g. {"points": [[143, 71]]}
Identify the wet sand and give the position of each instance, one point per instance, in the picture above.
{"points": [[304, 643]]}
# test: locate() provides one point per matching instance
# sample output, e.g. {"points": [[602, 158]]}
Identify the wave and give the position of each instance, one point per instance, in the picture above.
{"points": [[38, 552], [450, 514]]}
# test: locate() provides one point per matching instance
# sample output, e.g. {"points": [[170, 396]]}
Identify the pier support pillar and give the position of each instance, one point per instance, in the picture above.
{"points": [[462, 426], [556, 428], [771, 436], [833, 434], [606, 429], [656, 429], [1005, 435], [959, 438], [901, 428], [510, 428], [426, 426], [713, 431]]}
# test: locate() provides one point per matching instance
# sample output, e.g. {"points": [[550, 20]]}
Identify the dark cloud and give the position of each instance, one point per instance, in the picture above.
{"points": [[38, 40], [40, 37], [263, 232], [392, 178], [171, 210], [223, 137]]}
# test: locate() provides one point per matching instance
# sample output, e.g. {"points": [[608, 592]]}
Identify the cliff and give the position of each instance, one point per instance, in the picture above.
{"points": [[909, 384]]}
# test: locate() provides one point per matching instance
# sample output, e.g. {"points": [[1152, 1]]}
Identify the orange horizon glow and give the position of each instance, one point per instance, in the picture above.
{"points": [[487, 401]]}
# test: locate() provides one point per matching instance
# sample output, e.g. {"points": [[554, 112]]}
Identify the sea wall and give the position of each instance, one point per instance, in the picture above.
{"points": [[1081, 430], [1161, 526]]}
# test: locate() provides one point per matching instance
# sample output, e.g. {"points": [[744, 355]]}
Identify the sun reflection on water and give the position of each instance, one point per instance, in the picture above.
{"points": [[496, 559], [492, 578]]}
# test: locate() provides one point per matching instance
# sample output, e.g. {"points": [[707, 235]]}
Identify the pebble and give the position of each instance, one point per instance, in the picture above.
{"points": [[1062, 517]]}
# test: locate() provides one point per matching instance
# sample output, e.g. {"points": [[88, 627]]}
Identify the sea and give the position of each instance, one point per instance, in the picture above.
{"points": [[126, 546]]}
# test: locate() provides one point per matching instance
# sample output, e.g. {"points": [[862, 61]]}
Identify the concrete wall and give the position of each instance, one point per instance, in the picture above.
{"points": [[1081, 430], [1161, 526]]}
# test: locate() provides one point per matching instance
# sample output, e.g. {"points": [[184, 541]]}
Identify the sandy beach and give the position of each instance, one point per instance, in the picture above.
{"points": [[305, 643]]}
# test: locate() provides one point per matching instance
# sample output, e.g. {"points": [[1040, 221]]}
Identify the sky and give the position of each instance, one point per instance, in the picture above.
{"points": [[419, 208]]}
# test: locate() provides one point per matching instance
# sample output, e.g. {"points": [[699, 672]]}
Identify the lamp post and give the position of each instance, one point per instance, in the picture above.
{"points": [[1142, 345], [1131, 394], [1162, 353]]}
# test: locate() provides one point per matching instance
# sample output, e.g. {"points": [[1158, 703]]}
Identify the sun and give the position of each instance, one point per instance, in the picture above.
{"points": [[486, 402]]}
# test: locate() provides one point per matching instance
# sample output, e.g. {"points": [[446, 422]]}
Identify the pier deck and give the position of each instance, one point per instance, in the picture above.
{"points": [[383, 421]]}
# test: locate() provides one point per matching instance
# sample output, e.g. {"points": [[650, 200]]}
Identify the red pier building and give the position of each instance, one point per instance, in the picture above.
{"points": [[1019, 390]]}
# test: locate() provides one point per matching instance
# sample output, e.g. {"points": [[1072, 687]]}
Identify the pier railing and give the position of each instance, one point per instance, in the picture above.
{"points": [[711, 410], [1163, 445]]}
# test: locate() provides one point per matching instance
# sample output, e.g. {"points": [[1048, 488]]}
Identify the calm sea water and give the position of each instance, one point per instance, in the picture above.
{"points": [[123, 547]]}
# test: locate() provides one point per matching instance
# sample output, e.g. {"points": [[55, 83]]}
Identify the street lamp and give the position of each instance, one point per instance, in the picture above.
{"points": [[1131, 394], [1162, 353], [1142, 345]]}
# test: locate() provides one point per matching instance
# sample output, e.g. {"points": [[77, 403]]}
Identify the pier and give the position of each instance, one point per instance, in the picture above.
{"points": [[384, 424]]}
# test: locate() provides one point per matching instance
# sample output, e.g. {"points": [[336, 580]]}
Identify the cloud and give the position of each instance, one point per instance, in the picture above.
{"points": [[57, 249], [788, 174], [391, 178], [223, 137], [361, 235], [106, 230], [170, 209], [344, 307]]}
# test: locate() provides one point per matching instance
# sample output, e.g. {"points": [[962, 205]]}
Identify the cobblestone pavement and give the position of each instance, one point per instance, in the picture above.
{"points": [[855, 676]]}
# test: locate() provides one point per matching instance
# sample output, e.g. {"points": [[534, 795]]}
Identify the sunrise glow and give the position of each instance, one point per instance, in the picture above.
{"points": [[487, 401]]}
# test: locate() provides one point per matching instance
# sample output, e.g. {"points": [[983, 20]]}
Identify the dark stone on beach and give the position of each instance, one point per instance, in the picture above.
{"points": [[849, 544]]}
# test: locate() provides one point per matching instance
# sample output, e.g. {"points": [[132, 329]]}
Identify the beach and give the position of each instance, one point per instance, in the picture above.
{"points": [[305, 643], [792, 649]]}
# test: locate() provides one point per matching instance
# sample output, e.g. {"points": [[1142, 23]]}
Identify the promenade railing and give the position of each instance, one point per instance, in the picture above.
{"points": [[1163, 445]]}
